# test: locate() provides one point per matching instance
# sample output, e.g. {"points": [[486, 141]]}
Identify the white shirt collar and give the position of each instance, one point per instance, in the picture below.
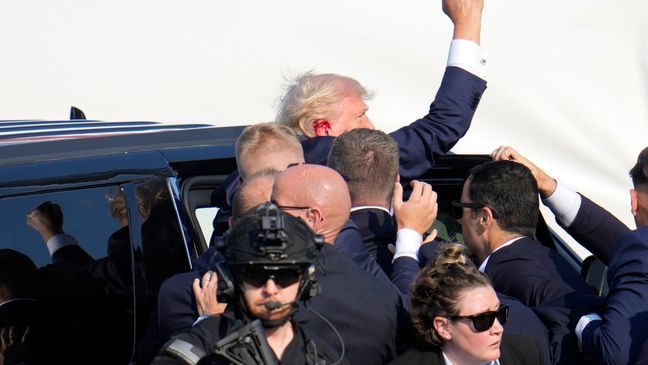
{"points": [[360, 207], [482, 267], [447, 361]]}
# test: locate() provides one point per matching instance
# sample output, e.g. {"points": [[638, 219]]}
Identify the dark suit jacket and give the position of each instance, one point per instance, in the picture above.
{"points": [[350, 242], [622, 336], [533, 273], [522, 321], [540, 278], [515, 350], [378, 230], [420, 143], [114, 269], [596, 229]]}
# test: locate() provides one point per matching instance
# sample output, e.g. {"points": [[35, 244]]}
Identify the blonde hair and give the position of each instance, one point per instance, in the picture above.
{"points": [[315, 96], [264, 138]]}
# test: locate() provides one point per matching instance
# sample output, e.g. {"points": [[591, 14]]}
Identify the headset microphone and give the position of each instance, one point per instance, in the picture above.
{"points": [[275, 305]]}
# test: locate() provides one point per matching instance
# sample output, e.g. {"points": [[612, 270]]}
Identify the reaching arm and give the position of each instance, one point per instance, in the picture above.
{"points": [[592, 226]]}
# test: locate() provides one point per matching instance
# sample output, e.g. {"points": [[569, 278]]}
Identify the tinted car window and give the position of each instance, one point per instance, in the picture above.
{"points": [[86, 216], [84, 302]]}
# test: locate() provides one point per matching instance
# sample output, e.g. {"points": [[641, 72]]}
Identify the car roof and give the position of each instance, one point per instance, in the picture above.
{"points": [[31, 141]]}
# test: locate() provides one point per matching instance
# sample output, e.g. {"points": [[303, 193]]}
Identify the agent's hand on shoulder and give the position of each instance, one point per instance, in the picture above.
{"points": [[205, 292]]}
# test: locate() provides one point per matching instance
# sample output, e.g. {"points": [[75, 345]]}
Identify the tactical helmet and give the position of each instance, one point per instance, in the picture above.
{"points": [[271, 238]]}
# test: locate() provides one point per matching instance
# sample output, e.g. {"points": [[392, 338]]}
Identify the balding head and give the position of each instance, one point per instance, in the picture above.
{"points": [[321, 191], [267, 146], [254, 191]]}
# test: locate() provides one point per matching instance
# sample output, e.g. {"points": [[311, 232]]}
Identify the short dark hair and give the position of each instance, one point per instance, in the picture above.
{"points": [[509, 189], [18, 274], [368, 158], [639, 172]]}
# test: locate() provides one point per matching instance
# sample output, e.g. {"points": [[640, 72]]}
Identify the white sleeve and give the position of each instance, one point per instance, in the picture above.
{"points": [[582, 323], [564, 204], [59, 241], [469, 56], [408, 242]]}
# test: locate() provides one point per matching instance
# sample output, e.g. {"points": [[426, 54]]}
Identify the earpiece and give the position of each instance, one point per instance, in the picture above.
{"points": [[311, 287]]}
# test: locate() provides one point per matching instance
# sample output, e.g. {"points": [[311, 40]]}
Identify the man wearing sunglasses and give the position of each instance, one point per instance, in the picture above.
{"points": [[498, 213], [618, 334], [271, 256]]}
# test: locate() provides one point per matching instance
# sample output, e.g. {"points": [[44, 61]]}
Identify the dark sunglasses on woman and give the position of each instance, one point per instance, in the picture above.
{"points": [[484, 321]]}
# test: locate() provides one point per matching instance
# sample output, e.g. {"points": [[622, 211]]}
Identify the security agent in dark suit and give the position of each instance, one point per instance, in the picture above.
{"points": [[271, 259], [499, 212], [368, 160], [618, 335]]}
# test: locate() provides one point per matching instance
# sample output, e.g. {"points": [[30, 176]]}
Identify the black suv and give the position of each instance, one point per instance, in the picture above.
{"points": [[137, 199]]}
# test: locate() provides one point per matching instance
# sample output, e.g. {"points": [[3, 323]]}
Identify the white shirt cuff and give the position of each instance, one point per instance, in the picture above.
{"points": [[200, 319], [59, 241], [469, 56], [582, 323], [564, 204], [408, 242]]}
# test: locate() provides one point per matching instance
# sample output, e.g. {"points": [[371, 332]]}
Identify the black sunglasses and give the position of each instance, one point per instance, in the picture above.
{"points": [[457, 208], [484, 321], [259, 276], [288, 207]]}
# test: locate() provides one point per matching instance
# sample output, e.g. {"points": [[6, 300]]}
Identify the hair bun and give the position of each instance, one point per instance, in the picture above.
{"points": [[452, 254]]}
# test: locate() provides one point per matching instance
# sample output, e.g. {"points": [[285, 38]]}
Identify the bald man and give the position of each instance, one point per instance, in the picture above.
{"points": [[254, 191], [317, 194]]}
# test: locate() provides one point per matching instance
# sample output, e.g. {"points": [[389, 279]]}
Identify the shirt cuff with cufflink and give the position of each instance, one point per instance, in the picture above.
{"points": [[469, 56]]}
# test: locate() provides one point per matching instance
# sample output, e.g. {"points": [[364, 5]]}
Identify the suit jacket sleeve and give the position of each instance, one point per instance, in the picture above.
{"points": [[349, 242], [623, 332], [596, 229], [73, 255], [447, 121]]}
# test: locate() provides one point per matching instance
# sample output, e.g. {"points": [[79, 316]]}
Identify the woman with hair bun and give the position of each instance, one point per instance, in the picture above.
{"points": [[458, 317]]}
